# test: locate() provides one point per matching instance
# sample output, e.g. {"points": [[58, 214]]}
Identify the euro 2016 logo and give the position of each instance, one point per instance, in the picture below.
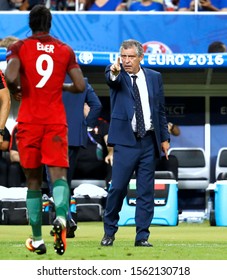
{"points": [[86, 57], [155, 47]]}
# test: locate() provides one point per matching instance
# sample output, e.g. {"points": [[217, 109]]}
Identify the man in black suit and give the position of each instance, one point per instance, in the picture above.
{"points": [[138, 138]]}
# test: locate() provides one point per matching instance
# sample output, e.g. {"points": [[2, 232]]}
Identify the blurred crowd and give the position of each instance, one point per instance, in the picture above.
{"points": [[118, 5]]}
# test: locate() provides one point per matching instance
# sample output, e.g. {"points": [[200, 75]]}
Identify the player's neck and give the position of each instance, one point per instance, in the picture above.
{"points": [[40, 33]]}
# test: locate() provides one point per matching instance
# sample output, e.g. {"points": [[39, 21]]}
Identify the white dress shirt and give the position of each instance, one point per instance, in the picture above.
{"points": [[142, 86]]}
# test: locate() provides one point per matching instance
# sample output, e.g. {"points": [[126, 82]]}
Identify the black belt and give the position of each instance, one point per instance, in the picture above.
{"points": [[148, 132]]}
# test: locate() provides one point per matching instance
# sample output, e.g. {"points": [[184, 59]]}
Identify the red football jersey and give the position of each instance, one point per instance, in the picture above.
{"points": [[45, 61]]}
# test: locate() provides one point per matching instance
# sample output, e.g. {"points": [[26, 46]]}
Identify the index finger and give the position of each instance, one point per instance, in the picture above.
{"points": [[118, 60]]}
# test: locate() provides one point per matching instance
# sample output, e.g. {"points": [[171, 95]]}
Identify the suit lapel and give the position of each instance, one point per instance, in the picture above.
{"points": [[128, 82], [148, 78]]}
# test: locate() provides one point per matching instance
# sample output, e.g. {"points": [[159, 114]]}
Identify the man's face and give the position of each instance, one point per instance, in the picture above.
{"points": [[130, 60]]}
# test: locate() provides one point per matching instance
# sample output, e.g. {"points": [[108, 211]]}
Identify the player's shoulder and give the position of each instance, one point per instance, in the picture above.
{"points": [[62, 46], [59, 42], [14, 49], [17, 44]]}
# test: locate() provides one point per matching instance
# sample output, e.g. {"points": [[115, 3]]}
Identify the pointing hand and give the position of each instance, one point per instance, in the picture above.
{"points": [[116, 67]]}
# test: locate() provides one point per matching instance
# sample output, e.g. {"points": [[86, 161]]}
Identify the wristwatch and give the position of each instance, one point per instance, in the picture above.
{"points": [[2, 132]]}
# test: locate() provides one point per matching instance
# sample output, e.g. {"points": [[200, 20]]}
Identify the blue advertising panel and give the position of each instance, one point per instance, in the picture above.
{"points": [[150, 60], [189, 114], [157, 60], [104, 32], [218, 110], [186, 110]]}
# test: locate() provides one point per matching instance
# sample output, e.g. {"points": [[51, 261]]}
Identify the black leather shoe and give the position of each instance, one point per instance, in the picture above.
{"points": [[71, 227], [143, 243], [107, 240]]}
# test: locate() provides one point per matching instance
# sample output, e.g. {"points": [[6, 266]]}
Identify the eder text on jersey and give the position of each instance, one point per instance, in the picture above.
{"points": [[46, 48]]}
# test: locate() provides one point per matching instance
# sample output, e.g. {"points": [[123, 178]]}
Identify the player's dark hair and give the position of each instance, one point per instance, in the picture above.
{"points": [[40, 19], [216, 47]]}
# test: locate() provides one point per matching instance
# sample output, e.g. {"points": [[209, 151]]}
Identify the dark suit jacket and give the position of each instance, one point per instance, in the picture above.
{"points": [[123, 104], [77, 123]]}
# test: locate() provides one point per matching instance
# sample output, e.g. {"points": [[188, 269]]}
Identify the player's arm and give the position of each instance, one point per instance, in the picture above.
{"points": [[4, 145], [5, 103], [78, 84], [12, 75]]}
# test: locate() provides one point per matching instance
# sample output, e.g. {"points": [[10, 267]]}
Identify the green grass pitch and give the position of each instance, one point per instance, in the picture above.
{"points": [[182, 242]]}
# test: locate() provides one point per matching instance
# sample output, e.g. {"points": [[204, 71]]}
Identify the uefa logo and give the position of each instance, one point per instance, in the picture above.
{"points": [[86, 57]]}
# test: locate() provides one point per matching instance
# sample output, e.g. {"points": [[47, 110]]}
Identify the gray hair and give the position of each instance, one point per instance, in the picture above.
{"points": [[127, 44]]}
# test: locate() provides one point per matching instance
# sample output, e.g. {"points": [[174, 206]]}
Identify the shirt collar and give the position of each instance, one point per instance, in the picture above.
{"points": [[138, 74]]}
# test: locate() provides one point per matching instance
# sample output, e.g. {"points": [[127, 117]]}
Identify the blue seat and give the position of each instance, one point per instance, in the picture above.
{"points": [[193, 168]]}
